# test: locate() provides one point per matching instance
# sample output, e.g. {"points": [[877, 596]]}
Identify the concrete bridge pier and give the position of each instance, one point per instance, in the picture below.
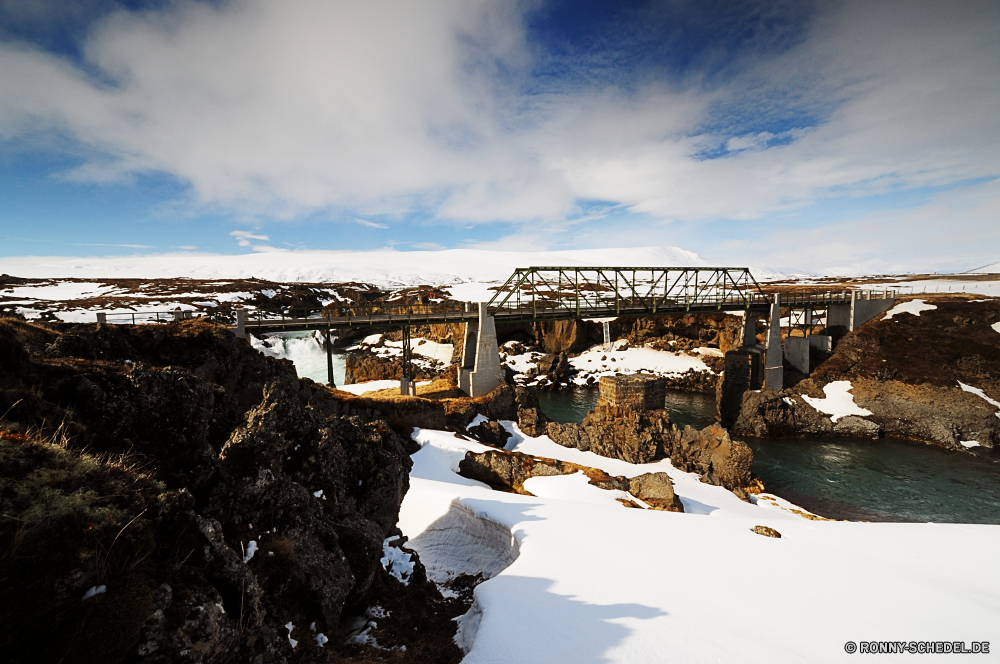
{"points": [[480, 371], [774, 358], [407, 384], [241, 324]]}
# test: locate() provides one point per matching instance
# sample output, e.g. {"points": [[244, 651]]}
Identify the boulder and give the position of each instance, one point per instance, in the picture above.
{"points": [[568, 435], [490, 433], [656, 490]]}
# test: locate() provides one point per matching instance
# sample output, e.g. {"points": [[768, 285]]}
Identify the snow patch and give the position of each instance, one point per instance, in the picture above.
{"points": [[839, 401], [251, 549], [970, 443], [912, 307], [477, 420], [96, 590], [980, 393], [374, 386], [996, 326], [289, 626], [397, 562]]}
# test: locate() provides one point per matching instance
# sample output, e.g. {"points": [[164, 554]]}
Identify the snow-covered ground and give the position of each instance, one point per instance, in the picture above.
{"points": [[912, 307], [945, 286], [620, 358], [427, 353], [575, 577]]}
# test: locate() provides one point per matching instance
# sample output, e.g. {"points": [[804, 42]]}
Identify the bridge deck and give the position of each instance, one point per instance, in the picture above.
{"points": [[386, 316]]}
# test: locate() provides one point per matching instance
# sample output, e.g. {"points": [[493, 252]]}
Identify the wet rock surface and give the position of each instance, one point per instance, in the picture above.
{"points": [[212, 495]]}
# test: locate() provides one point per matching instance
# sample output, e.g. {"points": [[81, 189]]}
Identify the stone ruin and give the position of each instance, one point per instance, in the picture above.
{"points": [[631, 423], [637, 392]]}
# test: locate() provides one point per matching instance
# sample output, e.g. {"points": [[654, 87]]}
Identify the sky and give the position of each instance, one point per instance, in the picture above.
{"points": [[818, 136]]}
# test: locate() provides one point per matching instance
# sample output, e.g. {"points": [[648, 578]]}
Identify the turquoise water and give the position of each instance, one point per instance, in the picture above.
{"points": [[842, 478], [572, 405]]}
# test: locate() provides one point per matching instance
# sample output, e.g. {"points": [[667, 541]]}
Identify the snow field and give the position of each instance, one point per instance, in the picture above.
{"points": [[385, 267], [579, 580], [839, 401], [971, 286]]}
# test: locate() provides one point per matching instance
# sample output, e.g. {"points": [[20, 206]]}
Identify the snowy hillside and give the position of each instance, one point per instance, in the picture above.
{"points": [[575, 577]]}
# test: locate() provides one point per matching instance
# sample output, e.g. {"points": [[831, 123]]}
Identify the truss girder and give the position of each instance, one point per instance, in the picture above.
{"points": [[592, 292]]}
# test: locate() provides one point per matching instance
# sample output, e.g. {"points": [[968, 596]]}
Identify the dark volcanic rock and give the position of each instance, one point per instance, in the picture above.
{"points": [[507, 471], [907, 371], [490, 433], [259, 514]]}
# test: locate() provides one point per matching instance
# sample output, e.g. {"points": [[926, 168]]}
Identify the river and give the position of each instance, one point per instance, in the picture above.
{"points": [[841, 478]]}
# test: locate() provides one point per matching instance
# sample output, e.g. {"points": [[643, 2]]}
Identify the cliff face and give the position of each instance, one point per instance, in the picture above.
{"points": [[207, 495], [908, 371]]}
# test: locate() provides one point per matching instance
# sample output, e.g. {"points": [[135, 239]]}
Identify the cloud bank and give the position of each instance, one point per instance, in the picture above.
{"points": [[386, 109]]}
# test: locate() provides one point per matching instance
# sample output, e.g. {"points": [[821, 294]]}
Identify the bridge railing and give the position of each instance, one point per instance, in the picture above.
{"points": [[360, 314], [145, 317]]}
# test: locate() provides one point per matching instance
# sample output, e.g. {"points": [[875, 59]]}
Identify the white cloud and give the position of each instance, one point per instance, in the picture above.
{"points": [[381, 107], [369, 224], [243, 237]]}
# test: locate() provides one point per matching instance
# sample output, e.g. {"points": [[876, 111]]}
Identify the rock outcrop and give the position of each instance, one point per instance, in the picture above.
{"points": [[908, 372], [202, 497], [635, 433], [508, 471]]}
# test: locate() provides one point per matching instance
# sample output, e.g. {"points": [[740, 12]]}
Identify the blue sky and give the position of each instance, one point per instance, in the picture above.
{"points": [[816, 136]]}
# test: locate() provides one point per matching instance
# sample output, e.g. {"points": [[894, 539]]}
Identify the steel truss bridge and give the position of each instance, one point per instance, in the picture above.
{"points": [[565, 293], [535, 294], [553, 293]]}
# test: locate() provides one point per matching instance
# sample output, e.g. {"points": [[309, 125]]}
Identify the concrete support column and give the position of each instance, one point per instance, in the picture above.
{"points": [[607, 335], [480, 372], [852, 322], [102, 317], [774, 359], [328, 342], [749, 329], [241, 324], [797, 352]]}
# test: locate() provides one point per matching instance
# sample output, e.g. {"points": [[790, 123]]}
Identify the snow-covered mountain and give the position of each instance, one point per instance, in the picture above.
{"points": [[383, 267]]}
